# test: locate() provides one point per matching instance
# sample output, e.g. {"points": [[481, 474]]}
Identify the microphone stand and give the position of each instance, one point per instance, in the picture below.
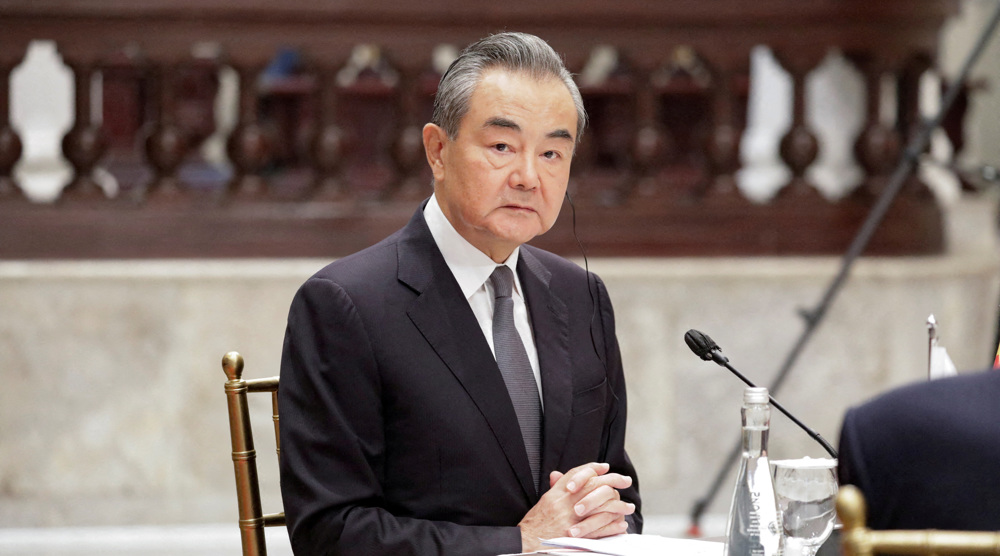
{"points": [[903, 169]]}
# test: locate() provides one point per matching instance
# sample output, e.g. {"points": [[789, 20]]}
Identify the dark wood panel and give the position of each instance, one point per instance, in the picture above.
{"points": [[322, 168], [719, 227]]}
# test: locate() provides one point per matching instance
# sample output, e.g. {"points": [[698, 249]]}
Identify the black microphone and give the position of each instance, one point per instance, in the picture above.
{"points": [[703, 346]]}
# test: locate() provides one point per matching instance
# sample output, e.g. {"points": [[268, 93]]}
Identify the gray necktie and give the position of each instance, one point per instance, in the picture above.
{"points": [[515, 368]]}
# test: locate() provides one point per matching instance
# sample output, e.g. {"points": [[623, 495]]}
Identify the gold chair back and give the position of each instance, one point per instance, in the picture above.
{"points": [[252, 519], [859, 540]]}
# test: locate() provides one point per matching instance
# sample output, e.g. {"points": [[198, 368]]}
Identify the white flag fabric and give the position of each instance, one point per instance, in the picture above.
{"points": [[940, 364]]}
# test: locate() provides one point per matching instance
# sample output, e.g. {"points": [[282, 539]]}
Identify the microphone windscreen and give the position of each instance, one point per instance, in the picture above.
{"points": [[700, 344]]}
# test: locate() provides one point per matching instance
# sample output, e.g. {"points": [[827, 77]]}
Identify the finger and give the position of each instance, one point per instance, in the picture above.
{"points": [[615, 527], [578, 476], [613, 480], [601, 524], [586, 527], [616, 507], [554, 478], [597, 500]]}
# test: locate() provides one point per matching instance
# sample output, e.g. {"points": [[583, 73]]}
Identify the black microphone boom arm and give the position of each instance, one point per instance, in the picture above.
{"points": [[813, 434], [703, 346]]}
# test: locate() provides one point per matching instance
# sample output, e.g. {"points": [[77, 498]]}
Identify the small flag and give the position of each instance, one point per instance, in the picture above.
{"points": [[939, 365]]}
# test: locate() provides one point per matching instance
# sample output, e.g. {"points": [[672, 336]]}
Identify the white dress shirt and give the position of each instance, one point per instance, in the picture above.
{"points": [[472, 269]]}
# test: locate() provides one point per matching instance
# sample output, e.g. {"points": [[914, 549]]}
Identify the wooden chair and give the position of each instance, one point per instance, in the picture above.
{"points": [[252, 519], [858, 540]]}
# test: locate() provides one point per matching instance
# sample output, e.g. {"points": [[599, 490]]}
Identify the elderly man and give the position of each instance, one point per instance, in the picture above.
{"points": [[451, 390]]}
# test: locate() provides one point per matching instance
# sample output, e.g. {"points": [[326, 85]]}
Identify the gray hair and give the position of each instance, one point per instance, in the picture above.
{"points": [[515, 52]]}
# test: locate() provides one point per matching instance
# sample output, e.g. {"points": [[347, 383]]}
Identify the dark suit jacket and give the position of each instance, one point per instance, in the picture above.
{"points": [[928, 455], [397, 432]]}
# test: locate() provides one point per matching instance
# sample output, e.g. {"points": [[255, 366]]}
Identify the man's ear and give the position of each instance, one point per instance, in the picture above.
{"points": [[435, 142]]}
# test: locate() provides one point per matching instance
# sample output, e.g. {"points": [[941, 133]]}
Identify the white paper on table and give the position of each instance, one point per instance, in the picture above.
{"points": [[642, 545], [560, 551]]}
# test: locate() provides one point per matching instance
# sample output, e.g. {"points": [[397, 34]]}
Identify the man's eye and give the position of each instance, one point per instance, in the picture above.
{"points": [[501, 147], [550, 154]]}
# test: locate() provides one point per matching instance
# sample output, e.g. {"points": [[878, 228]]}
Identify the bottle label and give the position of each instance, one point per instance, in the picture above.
{"points": [[755, 527]]}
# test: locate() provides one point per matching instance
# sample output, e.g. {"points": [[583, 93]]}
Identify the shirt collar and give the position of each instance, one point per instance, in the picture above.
{"points": [[470, 266]]}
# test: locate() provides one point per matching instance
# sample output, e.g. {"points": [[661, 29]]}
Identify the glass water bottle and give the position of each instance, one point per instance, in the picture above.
{"points": [[754, 527]]}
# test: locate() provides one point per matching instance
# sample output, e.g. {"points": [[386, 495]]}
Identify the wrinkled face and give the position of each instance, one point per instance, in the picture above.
{"points": [[501, 181]]}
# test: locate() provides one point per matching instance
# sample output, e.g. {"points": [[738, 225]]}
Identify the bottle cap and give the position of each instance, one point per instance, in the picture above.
{"points": [[755, 395]]}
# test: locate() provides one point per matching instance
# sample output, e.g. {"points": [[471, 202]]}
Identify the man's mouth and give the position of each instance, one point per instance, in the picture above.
{"points": [[519, 207]]}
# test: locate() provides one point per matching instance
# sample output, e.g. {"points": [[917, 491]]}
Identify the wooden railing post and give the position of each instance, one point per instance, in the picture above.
{"points": [[408, 147], [166, 144], [799, 147], [85, 143], [368, 107], [722, 146], [878, 146], [603, 163], [327, 145], [652, 142], [10, 142], [250, 146], [910, 119]]}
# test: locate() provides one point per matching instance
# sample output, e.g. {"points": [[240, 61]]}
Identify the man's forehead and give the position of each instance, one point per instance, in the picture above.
{"points": [[499, 101], [511, 77]]}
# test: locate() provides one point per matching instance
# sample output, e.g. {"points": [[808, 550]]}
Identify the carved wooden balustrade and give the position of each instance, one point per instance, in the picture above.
{"points": [[327, 158]]}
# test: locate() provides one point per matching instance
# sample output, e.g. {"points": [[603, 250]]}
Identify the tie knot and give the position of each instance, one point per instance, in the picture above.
{"points": [[503, 281]]}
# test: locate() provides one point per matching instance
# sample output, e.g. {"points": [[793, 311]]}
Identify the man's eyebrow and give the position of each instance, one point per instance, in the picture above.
{"points": [[560, 134], [507, 123], [500, 121]]}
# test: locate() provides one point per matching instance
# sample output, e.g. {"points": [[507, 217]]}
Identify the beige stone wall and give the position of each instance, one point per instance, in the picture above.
{"points": [[112, 408]]}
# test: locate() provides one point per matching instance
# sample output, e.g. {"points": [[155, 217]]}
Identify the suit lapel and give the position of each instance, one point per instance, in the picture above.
{"points": [[446, 321], [550, 322]]}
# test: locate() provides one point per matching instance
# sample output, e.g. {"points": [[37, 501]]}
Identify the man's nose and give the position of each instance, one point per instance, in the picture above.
{"points": [[525, 174]]}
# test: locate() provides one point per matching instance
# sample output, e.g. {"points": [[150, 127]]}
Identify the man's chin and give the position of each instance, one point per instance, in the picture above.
{"points": [[519, 237]]}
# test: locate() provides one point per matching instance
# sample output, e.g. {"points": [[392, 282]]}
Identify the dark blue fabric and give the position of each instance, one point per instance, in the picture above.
{"points": [[927, 455]]}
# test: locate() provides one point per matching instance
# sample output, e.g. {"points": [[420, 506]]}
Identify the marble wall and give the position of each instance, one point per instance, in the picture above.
{"points": [[112, 408]]}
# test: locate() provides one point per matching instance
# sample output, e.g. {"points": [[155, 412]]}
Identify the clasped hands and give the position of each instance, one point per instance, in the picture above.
{"points": [[583, 502]]}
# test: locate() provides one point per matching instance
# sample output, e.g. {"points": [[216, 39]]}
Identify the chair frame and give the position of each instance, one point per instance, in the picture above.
{"points": [[858, 540], [252, 519]]}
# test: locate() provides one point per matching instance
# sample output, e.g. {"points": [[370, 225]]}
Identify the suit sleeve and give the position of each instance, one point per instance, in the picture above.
{"points": [[847, 467], [613, 442], [868, 454], [851, 469], [333, 448]]}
